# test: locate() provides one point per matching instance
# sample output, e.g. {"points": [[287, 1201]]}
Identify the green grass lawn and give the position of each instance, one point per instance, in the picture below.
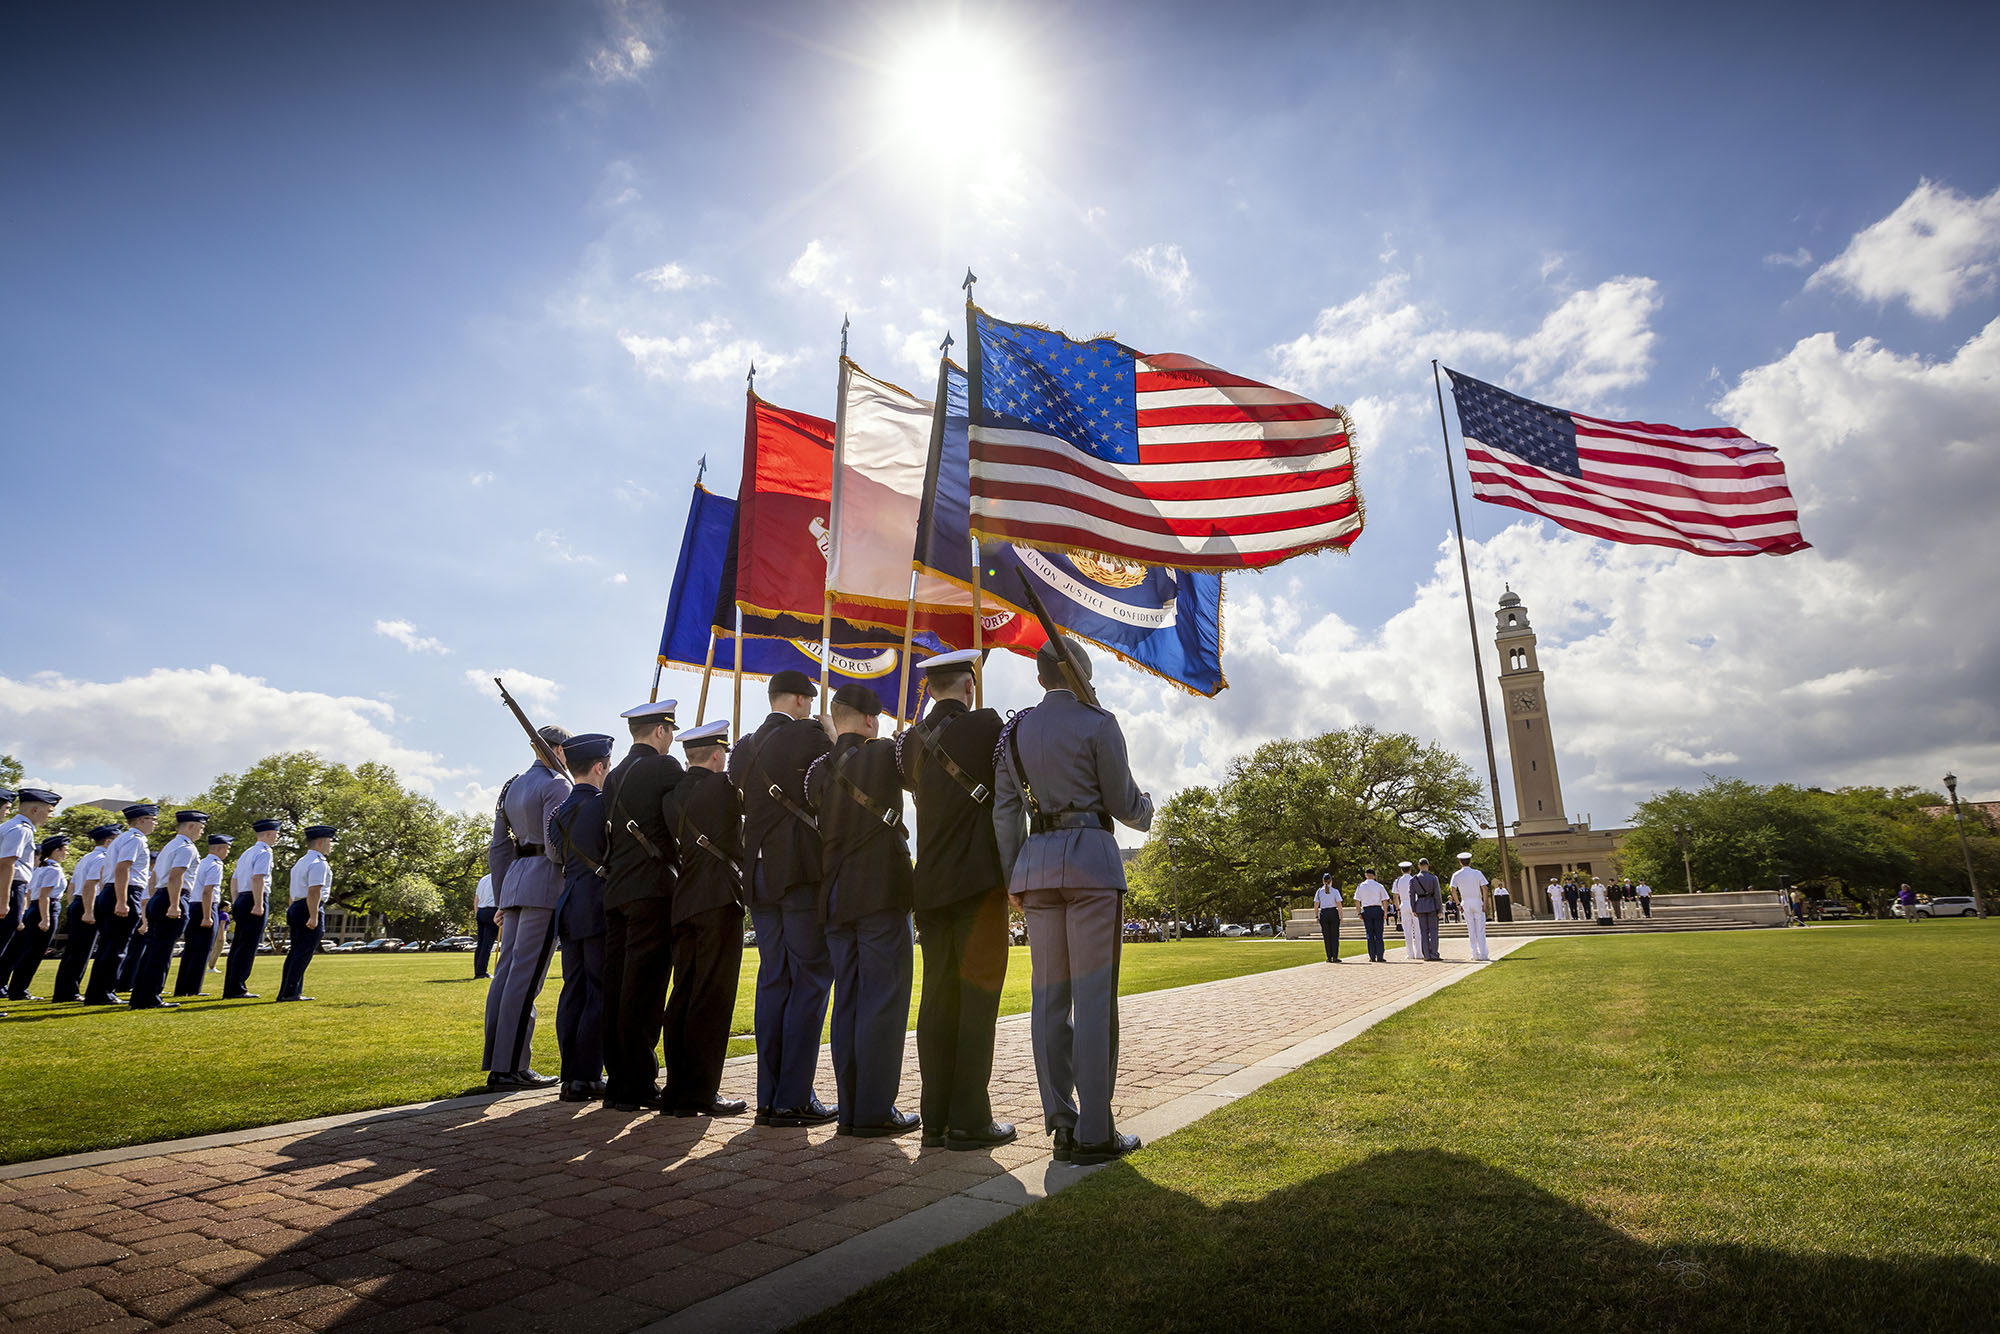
{"points": [[1776, 1130], [384, 1029]]}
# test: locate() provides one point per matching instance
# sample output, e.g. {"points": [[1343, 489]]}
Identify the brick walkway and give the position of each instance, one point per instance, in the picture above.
{"points": [[525, 1212]]}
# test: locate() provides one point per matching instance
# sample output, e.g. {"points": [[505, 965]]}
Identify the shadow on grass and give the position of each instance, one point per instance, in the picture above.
{"points": [[1403, 1240]]}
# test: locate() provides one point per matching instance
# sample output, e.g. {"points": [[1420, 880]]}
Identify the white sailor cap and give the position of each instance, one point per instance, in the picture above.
{"points": [[1465, 856], [661, 709], [707, 734], [1406, 865], [957, 660]]}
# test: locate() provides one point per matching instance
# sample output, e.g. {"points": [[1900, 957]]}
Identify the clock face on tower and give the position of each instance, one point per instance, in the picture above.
{"points": [[1523, 701]]}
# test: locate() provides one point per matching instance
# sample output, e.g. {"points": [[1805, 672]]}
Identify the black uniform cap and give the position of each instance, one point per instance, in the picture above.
{"points": [[861, 699]]}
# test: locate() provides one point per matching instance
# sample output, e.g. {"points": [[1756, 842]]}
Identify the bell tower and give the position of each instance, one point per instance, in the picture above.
{"points": [[1537, 790]]}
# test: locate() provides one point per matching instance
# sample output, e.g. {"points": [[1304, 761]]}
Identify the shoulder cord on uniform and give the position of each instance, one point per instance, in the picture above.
{"points": [[1008, 752]]}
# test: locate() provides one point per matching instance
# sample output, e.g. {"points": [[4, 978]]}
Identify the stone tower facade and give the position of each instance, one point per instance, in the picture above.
{"points": [[1538, 802]]}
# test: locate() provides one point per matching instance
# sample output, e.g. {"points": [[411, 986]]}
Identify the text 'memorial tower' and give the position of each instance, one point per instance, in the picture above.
{"points": [[1537, 790]]}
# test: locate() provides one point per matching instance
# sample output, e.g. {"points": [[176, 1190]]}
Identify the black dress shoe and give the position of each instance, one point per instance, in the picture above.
{"points": [[239, 995], [577, 1090], [307, 998], [968, 1141], [763, 1116], [715, 1107], [899, 1123], [814, 1113], [156, 1005], [649, 1103], [1085, 1155], [67, 1000], [1065, 1143], [519, 1079], [934, 1139]]}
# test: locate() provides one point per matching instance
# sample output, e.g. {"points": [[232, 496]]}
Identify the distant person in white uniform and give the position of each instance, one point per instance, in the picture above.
{"points": [[1403, 918], [1600, 902], [1373, 900], [1468, 886], [1556, 905]]}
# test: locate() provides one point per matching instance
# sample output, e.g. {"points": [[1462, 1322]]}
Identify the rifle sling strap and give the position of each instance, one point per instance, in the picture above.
{"points": [[934, 747]]}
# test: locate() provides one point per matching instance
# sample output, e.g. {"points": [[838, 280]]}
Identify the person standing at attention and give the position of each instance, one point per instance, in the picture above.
{"points": [[578, 844], [1327, 899], [1644, 892], [38, 921], [704, 813], [1407, 924], [312, 886], [641, 877], [486, 916], [1426, 901], [252, 883], [1374, 902], [1063, 778], [202, 923], [119, 899], [166, 910], [1468, 886], [529, 886], [80, 919]]}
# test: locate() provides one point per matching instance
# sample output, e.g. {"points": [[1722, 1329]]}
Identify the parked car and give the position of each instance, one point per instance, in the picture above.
{"points": [[1263, 929], [1948, 905], [1232, 930], [381, 945], [456, 944], [749, 939], [1829, 910]]}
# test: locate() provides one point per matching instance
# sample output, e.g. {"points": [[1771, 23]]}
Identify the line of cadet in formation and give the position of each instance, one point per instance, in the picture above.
{"points": [[124, 908], [642, 872]]}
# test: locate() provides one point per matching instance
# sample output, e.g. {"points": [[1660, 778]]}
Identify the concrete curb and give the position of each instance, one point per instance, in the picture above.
{"points": [[804, 1288]]}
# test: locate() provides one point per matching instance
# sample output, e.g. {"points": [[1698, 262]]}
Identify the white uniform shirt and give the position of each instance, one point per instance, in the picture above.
{"points": [[255, 861], [48, 876], [1599, 903], [1370, 894], [1327, 896], [1644, 891], [180, 851], [207, 875], [482, 897], [92, 866], [310, 870], [1403, 891], [130, 846], [17, 840], [1468, 881]]}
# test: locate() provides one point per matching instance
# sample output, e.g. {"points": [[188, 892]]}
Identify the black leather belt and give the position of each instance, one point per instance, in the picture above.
{"points": [[1080, 820], [528, 849]]}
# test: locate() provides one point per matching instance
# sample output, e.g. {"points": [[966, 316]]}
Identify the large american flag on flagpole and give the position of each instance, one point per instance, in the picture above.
{"points": [[1714, 491], [1158, 458]]}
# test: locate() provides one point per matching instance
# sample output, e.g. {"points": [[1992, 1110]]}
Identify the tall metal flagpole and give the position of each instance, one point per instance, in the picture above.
{"points": [[978, 564], [1472, 631]]}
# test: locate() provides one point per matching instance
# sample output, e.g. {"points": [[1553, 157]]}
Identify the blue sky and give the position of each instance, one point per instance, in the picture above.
{"points": [[378, 343]]}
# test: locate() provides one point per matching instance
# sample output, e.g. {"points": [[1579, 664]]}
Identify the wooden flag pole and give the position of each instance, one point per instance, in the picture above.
{"points": [[736, 713], [1472, 630], [659, 665], [909, 633], [707, 667]]}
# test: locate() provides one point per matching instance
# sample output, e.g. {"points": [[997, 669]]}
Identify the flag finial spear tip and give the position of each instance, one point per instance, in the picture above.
{"points": [[945, 346], [970, 279], [843, 333]]}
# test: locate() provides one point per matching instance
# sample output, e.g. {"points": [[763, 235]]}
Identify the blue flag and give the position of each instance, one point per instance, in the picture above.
{"points": [[1167, 622], [706, 548]]}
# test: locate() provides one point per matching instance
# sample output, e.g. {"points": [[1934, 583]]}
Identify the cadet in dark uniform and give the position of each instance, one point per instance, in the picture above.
{"points": [[166, 910], [252, 883], [705, 813], [781, 851], [577, 843], [38, 921], [120, 899], [961, 899], [305, 921], [865, 899], [80, 919], [1061, 770], [638, 907], [202, 921]]}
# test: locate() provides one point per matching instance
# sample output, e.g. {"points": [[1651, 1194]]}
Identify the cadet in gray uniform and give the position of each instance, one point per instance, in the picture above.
{"points": [[529, 887], [1061, 772]]}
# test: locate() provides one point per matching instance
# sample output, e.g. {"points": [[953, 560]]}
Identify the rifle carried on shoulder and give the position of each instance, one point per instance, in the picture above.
{"points": [[1078, 682], [549, 754]]}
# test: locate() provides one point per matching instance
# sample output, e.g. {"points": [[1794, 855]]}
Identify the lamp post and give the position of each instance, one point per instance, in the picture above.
{"points": [[1173, 862], [1682, 833], [1958, 816]]}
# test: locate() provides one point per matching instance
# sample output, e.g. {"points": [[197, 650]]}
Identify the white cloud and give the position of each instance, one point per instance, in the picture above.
{"points": [[1597, 341], [632, 493], [635, 29], [404, 633], [557, 548], [814, 267], [711, 352], [1167, 267], [618, 578], [1797, 259], [673, 278], [530, 690], [481, 478], [1936, 250], [919, 348], [171, 731]]}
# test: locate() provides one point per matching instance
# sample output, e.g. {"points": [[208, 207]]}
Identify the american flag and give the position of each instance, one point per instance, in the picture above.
{"points": [[1158, 458], [1715, 492]]}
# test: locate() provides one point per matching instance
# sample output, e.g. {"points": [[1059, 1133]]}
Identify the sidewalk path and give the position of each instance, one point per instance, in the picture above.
{"points": [[525, 1212]]}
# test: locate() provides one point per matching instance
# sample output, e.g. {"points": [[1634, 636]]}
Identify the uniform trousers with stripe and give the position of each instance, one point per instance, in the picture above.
{"points": [[78, 937], [242, 947], [114, 933], [1074, 940], [194, 953], [708, 959], [157, 956], [304, 944], [527, 940], [965, 965], [25, 949], [794, 975], [871, 958]]}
